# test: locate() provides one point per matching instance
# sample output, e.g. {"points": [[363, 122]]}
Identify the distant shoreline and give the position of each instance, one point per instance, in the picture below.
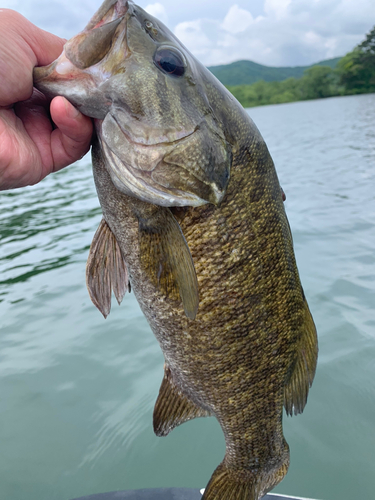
{"points": [[265, 93], [310, 100]]}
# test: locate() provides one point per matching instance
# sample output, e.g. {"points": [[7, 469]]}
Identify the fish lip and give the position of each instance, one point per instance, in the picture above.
{"points": [[121, 8]]}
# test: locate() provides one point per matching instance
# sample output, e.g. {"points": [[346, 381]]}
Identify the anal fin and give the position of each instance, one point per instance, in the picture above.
{"points": [[105, 269], [173, 408], [302, 376]]}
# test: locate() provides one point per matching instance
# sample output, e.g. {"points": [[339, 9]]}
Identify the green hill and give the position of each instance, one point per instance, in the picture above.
{"points": [[248, 72]]}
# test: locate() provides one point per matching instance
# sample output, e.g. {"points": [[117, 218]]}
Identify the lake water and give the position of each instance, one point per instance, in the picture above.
{"points": [[77, 391]]}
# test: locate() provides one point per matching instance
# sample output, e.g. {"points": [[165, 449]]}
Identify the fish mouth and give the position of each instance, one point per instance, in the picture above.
{"points": [[86, 61], [114, 8]]}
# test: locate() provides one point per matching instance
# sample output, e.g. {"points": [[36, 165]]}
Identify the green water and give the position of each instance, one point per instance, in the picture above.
{"points": [[77, 391]]}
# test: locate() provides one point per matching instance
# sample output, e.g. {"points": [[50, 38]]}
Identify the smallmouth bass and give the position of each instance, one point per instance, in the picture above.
{"points": [[193, 219]]}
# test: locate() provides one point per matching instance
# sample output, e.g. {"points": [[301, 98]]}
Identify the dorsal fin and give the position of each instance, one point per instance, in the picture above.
{"points": [[302, 376], [173, 408], [105, 269]]}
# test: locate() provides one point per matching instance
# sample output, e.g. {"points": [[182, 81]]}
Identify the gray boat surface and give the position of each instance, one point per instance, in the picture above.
{"points": [[169, 494]]}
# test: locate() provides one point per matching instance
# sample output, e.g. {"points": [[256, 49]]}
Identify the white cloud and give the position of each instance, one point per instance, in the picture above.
{"points": [[272, 32], [157, 10], [193, 36], [276, 8], [290, 33], [237, 20], [61, 17]]}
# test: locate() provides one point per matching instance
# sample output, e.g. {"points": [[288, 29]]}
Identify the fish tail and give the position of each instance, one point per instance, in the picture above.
{"points": [[230, 484]]}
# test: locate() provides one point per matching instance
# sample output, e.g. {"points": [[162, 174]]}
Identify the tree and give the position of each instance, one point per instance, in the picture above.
{"points": [[368, 45], [357, 69], [317, 82]]}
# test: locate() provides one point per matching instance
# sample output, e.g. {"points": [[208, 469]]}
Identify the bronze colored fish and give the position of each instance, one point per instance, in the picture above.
{"points": [[193, 217]]}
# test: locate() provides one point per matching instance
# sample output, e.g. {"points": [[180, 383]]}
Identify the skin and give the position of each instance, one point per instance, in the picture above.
{"points": [[36, 137]]}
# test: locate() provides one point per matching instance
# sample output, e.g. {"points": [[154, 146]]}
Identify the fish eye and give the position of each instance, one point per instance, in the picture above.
{"points": [[170, 61]]}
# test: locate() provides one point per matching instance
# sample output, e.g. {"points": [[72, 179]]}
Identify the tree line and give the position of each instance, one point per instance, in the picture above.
{"points": [[354, 74]]}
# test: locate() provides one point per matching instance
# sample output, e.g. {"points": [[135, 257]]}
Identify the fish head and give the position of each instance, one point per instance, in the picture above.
{"points": [[160, 137]]}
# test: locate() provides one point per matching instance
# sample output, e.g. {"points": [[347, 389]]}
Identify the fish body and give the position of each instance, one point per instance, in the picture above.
{"points": [[193, 217]]}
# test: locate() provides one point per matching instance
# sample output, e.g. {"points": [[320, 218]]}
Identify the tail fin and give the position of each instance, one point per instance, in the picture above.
{"points": [[230, 484]]}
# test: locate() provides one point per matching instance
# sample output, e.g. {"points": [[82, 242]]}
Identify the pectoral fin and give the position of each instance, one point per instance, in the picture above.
{"points": [[301, 378], [105, 270], [166, 258], [173, 408]]}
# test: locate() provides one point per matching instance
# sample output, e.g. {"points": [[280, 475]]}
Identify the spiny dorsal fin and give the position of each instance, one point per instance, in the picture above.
{"points": [[166, 258], [297, 387], [173, 408], [105, 270]]}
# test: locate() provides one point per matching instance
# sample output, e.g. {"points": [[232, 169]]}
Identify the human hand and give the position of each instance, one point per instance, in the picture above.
{"points": [[31, 146]]}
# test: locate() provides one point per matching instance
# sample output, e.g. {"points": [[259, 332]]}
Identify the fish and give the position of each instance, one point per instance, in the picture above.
{"points": [[194, 222]]}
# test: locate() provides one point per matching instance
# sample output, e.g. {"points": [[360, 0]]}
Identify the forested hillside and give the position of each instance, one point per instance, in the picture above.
{"points": [[248, 72]]}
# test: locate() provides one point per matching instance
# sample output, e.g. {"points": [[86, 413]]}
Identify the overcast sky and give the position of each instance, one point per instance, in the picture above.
{"points": [[270, 32]]}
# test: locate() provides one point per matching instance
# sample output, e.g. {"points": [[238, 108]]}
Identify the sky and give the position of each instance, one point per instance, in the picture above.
{"points": [[269, 32]]}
